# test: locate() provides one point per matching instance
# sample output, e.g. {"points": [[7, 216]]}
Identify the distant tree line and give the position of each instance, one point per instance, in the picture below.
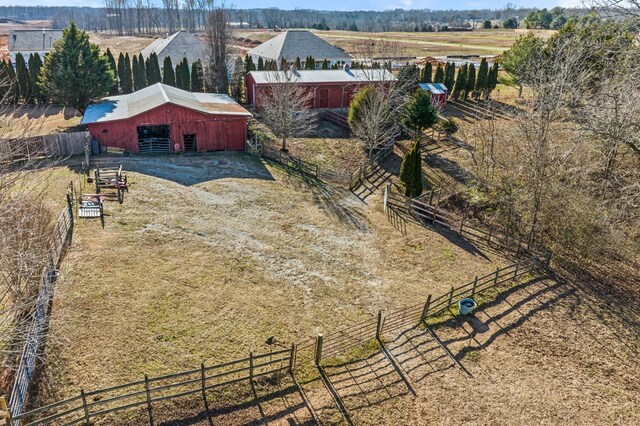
{"points": [[139, 17]]}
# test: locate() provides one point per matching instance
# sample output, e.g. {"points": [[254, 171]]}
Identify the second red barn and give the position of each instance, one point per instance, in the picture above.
{"points": [[330, 88]]}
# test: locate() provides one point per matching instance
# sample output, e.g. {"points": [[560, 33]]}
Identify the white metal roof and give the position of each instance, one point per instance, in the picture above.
{"points": [[324, 76], [180, 45], [127, 106], [435, 88], [294, 44]]}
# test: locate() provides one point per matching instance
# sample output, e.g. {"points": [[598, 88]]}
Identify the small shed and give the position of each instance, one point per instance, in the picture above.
{"points": [[164, 119], [331, 88], [438, 93]]}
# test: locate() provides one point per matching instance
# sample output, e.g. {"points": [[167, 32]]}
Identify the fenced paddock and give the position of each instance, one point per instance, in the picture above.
{"points": [[372, 164]]}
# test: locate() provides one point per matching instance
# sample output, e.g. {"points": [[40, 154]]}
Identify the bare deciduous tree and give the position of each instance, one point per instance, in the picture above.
{"points": [[285, 107], [218, 36]]}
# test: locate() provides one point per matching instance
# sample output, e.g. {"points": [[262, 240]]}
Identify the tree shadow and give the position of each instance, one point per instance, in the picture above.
{"points": [[449, 167]]}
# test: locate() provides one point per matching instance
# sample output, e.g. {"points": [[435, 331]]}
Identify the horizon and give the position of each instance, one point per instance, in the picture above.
{"points": [[334, 5]]}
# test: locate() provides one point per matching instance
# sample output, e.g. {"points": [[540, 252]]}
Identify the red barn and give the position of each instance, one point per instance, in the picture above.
{"points": [[330, 88], [162, 118]]}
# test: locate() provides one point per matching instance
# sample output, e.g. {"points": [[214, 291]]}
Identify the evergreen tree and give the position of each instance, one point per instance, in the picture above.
{"points": [[461, 83], [471, 81], [283, 64], [427, 73], [248, 64], [482, 80], [113, 90], [439, 76], [24, 80], [298, 63], [74, 71], [419, 113], [411, 171], [128, 72], [325, 65], [136, 73], [124, 74], [142, 69], [450, 76], [260, 64], [153, 70], [236, 88], [35, 67], [168, 75], [3, 77], [196, 76], [13, 91]]}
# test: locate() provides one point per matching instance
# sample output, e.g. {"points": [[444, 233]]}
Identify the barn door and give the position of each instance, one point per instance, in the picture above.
{"points": [[323, 98], [190, 143]]}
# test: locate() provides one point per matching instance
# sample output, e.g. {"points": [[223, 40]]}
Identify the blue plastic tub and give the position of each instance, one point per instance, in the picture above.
{"points": [[466, 306]]}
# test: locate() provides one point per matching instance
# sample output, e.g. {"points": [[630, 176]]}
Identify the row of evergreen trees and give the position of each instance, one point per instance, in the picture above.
{"points": [[467, 83], [23, 80], [138, 73], [271, 65]]}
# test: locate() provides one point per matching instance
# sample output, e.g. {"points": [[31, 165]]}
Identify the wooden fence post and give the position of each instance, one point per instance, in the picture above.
{"points": [[515, 273], [318, 354], [475, 284], [451, 296], [292, 358], [251, 367], [431, 197], [203, 379], [147, 391], [386, 196], [425, 310], [461, 225], [495, 278], [84, 406], [379, 325]]}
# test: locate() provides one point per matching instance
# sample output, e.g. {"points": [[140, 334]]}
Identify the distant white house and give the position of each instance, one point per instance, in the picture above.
{"points": [[294, 44], [31, 41]]}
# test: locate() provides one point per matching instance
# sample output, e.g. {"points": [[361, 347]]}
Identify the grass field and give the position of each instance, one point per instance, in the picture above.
{"points": [[480, 42], [208, 256]]}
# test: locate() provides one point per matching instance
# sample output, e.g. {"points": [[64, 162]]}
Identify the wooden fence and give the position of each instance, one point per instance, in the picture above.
{"points": [[283, 158], [363, 172], [38, 323], [337, 118], [92, 404], [426, 210], [57, 145]]}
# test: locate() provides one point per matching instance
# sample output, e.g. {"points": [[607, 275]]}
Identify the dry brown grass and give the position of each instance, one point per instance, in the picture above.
{"points": [[41, 119], [207, 271], [120, 44]]}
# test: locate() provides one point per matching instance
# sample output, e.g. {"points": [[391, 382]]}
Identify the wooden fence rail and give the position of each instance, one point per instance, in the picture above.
{"points": [[284, 158], [363, 172], [56, 145], [146, 392]]}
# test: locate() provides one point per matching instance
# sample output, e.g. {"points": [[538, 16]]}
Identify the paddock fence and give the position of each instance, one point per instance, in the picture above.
{"points": [[56, 145], [150, 391], [372, 164], [34, 340], [283, 158]]}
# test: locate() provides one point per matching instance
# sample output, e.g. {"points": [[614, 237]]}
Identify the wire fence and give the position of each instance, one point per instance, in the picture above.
{"points": [[36, 332]]}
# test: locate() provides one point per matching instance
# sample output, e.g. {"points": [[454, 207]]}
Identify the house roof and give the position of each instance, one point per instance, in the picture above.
{"points": [[294, 44], [127, 106], [180, 45], [32, 40], [323, 76], [435, 88]]}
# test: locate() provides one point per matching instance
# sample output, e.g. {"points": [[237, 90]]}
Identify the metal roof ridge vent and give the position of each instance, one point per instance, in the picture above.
{"points": [[164, 93]]}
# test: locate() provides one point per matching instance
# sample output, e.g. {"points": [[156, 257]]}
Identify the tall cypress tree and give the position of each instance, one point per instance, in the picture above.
{"points": [[248, 64], [450, 76], [471, 81], [260, 64], [153, 70], [113, 90], [439, 76], [123, 76], [325, 65], [143, 71], [128, 72], [24, 80], [196, 77], [168, 75], [236, 88], [427, 73], [136, 73], [411, 171], [35, 65], [298, 62], [460, 84], [3, 77], [482, 80], [13, 89]]}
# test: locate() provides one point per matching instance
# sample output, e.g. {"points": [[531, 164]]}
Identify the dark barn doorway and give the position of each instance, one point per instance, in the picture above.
{"points": [[154, 139], [190, 143]]}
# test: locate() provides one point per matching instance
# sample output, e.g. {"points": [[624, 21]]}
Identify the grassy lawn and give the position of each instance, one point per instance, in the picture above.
{"points": [[210, 255]]}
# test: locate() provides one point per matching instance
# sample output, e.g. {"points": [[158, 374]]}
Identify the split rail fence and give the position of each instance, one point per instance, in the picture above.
{"points": [[38, 323], [147, 392], [284, 158], [372, 164]]}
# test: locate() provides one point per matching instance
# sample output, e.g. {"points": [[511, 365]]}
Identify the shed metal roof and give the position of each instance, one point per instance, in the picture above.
{"points": [[32, 40], [435, 88], [127, 106], [323, 76], [294, 44], [182, 44]]}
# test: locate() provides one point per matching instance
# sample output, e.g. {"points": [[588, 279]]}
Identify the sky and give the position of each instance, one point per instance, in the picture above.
{"points": [[333, 4]]}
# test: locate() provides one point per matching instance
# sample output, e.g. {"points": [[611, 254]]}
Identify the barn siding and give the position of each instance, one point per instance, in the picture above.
{"points": [[214, 132], [339, 94]]}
